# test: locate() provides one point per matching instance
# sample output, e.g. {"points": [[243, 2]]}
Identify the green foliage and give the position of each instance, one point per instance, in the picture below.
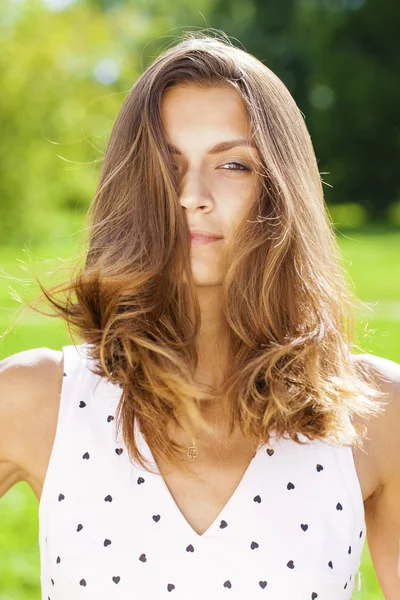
{"points": [[65, 75], [347, 215], [338, 59], [394, 213], [350, 47]]}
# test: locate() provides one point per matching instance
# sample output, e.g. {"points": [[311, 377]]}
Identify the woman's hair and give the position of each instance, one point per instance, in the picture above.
{"points": [[286, 310]]}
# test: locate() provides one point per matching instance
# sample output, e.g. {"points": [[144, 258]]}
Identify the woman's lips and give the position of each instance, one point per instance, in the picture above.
{"points": [[202, 239]]}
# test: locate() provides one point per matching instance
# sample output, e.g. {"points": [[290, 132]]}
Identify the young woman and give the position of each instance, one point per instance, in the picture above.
{"points": [[213, 434]]}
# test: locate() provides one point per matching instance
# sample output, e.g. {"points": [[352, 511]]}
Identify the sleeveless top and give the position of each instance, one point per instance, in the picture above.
{"points": [[294, 528]]}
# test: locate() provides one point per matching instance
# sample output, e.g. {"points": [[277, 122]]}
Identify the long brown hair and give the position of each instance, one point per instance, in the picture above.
{"points": [[287, 312]]}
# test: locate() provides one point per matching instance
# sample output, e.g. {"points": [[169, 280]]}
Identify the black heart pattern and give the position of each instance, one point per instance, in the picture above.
{"points": [[64, 375], [254, 545], [223, 524]]}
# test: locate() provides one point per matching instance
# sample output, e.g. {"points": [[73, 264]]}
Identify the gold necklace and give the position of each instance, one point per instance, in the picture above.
{"points": [[192, 452]]}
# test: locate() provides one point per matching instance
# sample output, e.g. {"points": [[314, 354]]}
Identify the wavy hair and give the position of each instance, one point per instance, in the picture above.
{"points": [[287, 311]]}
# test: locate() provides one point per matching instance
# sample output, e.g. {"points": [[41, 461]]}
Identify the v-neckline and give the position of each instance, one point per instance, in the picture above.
{"points": [[180, 517]]}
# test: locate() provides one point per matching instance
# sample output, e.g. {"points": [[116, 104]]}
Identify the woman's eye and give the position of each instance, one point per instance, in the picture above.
{"points": [[243, 168], [239, 166]]}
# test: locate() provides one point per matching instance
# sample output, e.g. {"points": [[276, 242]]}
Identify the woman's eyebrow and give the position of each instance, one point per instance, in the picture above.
{"points": [[220, 147]]}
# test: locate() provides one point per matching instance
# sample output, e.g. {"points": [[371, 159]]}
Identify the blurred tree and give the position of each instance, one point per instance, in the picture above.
{"points": [[354, 88], [340, 60], [50, 67], [65, 74]]}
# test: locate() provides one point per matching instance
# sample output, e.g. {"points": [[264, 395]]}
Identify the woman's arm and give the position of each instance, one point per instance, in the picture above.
{"points": [[26, 380], [382, 510]]}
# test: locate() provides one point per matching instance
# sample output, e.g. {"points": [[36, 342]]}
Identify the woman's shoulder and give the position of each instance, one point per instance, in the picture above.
{"points": [[30, 386], [385, 368], [381, 447], [26, 377], [385, 374]]}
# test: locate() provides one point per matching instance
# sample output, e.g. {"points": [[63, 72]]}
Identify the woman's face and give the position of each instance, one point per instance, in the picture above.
{"points": [[213, 189]]}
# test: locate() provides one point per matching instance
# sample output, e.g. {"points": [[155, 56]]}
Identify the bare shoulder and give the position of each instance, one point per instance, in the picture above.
{"points": [[387, 371], [382, 443], [30, 384], [382, 509]]}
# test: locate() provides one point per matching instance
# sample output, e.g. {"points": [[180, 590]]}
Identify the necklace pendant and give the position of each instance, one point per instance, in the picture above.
{"points": [[192, 453]]}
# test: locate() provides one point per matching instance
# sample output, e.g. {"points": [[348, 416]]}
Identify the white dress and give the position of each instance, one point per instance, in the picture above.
{"points": [[294, 528]]}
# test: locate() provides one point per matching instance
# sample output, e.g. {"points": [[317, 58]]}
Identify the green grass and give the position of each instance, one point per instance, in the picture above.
{"points": [[371, 258]]}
